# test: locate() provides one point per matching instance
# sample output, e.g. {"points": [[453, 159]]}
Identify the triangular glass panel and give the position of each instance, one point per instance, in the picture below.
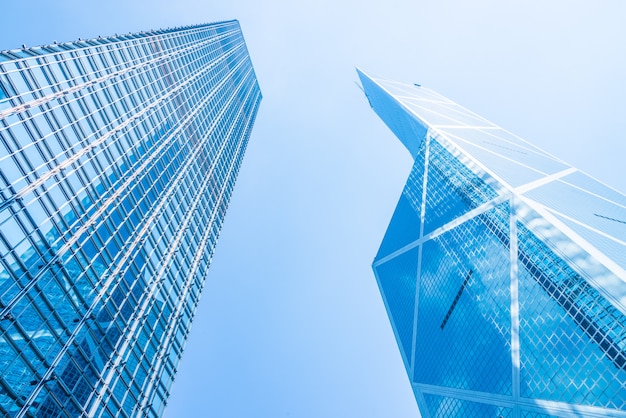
{"points": [[397, 279], [404, 227]]}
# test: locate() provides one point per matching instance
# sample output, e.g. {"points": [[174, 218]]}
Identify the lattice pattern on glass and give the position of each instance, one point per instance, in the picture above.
{"points": [[452, 188], [529, 414], [463, 327], [572, 340], [446, 407]]}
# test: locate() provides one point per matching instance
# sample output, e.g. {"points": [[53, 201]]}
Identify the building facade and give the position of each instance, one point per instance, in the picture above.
{"points": [[118, 157], [503, 269]]}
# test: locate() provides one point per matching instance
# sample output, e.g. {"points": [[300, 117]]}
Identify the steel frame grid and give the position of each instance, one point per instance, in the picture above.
{"points": [[520, 210], [124, 141]]}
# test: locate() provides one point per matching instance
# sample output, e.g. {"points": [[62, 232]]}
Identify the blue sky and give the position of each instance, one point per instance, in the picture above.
{"points": [[291, 323]]}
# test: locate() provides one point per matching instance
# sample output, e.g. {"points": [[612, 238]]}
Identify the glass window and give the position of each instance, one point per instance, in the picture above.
{"points": [[3, 94]]}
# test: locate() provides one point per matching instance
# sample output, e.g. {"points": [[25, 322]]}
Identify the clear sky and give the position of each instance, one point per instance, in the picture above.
{"points": [[291, 323]]}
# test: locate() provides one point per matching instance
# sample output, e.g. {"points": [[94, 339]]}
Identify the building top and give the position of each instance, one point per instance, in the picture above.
{"points": [[34, 51], [90, 56], [589, 213], [118, 157]]}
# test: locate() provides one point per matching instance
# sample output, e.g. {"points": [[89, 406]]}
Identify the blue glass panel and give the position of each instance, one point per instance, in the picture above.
{"points": [[445, 407], [503, 138], [411, 92], [587, 208], [572, 340], [3, 94], [492, 150], [404, 227], [609, 247], [439, 114], [396, 279], [508, 170], [463, 326], [593, 186]]}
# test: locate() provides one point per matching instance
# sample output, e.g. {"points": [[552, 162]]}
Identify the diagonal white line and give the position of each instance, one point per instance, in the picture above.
{"points": [[543, 181], [588, 227], [447, 227]]}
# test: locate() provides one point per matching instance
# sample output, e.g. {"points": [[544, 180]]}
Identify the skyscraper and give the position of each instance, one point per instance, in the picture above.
{"points": [[118, 157], [503, 270]]}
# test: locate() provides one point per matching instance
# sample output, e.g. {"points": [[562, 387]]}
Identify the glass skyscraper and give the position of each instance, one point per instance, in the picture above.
{"points": [[118, 157], [503, 269]]}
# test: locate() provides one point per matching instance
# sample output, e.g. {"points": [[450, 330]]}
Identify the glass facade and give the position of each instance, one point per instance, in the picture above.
{"points": [[118, 157], [502, 270]]}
